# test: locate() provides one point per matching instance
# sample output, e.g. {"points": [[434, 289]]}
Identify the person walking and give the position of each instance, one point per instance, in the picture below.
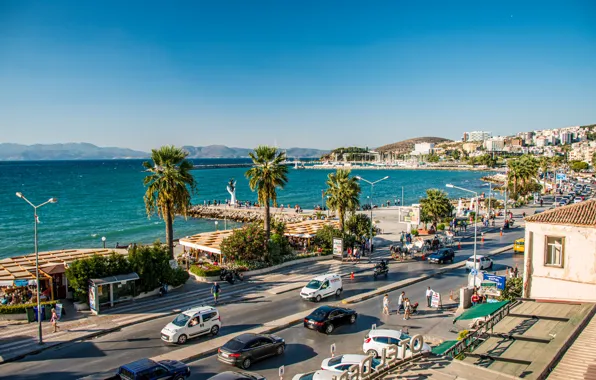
{"points": [[429, 296], [400, 302], [54, 320], [515, 272], [215, 291], [386, 304], [407, 308]]}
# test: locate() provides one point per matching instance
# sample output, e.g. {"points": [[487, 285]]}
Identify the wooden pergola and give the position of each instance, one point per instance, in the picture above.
{"points": [[211, 241]]}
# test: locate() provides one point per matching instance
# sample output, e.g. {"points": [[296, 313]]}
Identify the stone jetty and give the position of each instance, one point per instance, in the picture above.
{"points": [[246, 215]]}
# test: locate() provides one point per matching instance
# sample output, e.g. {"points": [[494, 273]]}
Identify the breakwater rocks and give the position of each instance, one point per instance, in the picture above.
{"points": [[245, 215]]}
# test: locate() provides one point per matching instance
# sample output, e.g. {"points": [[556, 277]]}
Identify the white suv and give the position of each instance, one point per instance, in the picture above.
{"points": [[377, 339], [192, 323], [482, 262]]}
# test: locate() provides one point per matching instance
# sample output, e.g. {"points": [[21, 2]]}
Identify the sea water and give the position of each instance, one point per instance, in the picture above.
{"points": [[105, 199]]}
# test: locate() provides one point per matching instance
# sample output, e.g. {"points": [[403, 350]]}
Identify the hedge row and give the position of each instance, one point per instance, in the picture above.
{"points": [[205, 270], [21, 309]]}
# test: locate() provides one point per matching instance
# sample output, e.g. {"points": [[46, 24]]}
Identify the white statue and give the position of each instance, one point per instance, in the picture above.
{"points": [[232, 190]]}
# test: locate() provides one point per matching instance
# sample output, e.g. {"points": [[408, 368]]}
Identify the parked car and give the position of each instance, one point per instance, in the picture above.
{"points": [[248, 348], [519, 245], [192, 323], [322, 374], [482, 262], [442, 256], [377, 339], [233, 375], [327, 318], [147, 369], [344, 362]]}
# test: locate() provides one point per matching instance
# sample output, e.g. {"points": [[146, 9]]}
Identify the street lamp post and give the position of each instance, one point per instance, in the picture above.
{"points": [[35, 221], [103, 239], [475, 220], [372, 186]]}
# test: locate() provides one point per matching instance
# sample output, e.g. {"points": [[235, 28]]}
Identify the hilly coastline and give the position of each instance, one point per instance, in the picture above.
{"points": [[86, 151]]}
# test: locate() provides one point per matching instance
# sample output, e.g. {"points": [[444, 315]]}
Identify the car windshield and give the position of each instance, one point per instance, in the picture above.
{"points": [[335, 361], [314, 284], [233, 345], [181, 320], [307, 376]]}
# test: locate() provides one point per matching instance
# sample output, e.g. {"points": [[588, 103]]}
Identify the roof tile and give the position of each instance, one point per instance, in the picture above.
{"points": [[581, 214]]}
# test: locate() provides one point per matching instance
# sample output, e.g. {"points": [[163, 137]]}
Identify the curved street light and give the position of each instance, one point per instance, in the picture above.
{"points": [[372, 186], [35, 221]]}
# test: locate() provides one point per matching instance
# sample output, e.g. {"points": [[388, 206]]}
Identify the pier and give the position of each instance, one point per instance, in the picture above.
{"points": [[247, 215]]}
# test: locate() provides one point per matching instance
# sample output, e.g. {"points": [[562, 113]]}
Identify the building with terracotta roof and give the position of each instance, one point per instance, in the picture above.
{"points": [[560, 257]]}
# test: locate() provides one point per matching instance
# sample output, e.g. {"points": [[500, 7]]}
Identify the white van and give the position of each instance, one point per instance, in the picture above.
{"points": [[321, 287], [192, 323]]}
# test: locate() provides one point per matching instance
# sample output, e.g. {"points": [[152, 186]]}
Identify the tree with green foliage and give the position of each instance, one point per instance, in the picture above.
{"points": [[249, 243], [594, 159], [79, 272], [513, 289], [456, 154], [324, 237], [359, 225], [433, 157], [152, 264], [436, 205], [170, 186], [578, 166], [343, 193], [267, 175]]}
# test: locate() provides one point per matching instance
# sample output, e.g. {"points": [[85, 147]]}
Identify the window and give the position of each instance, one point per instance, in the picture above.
{"points": [[325, 285], [255, 344], [382, 339], [333, 314], [209, 316], [554, 251]]}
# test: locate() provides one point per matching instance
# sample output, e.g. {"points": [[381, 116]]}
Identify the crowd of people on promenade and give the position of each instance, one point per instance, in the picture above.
{"points": [[19, 295]]}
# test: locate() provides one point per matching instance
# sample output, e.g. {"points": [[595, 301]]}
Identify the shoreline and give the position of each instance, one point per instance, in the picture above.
{"points": [[430, 168]]}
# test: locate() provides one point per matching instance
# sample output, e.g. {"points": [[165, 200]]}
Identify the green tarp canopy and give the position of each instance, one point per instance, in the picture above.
{"points": [[441, 348], [480, 310]]}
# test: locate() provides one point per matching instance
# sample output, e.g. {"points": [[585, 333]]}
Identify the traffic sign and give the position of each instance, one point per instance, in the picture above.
{"points": [[473, 272], [282, 370], [374, 326], [333, 349]]}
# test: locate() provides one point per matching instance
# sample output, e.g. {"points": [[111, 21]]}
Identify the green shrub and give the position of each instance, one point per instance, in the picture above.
{"points": [[178, 277], [441, 227], [205, 270], [414, 231], [21, 309]]}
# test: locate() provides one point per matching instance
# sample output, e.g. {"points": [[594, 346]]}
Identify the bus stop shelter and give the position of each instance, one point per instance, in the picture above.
{"points": [[110, 290]]}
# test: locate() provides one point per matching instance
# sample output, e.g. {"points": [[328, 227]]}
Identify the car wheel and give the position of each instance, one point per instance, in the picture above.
{"points": [[372, 353], [490, 265], [318, 299], [180, 378], [215, 330], [246, 363], [280, 350], [338, 292], [182, 339], [440, 261], [353, 319], [329, 328]]}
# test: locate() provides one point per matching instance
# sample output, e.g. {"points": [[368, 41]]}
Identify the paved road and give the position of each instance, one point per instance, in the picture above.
{"points": [[306, 349], [142, 340]]}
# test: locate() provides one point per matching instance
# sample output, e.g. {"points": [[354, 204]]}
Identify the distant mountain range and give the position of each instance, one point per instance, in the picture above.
{"points": [[86, 151]]}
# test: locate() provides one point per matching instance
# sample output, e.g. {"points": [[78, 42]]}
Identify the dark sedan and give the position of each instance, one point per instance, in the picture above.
{"points": [[232, 375], [246, 349], [442, 256], [327, 318]]}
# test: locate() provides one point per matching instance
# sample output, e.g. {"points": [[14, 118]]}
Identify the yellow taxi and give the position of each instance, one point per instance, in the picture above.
{"points": [[518, 245]]}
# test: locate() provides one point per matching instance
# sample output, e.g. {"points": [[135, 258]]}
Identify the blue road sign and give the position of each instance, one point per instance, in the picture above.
{"points": [[499, 280], [561, 177], [473, 272]]}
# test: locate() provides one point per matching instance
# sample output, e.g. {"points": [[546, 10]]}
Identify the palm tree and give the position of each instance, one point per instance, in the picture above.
{"points": [[267, 174], [436, 205], [545, 163], [170, 186], [343, 194], [513, 176]]}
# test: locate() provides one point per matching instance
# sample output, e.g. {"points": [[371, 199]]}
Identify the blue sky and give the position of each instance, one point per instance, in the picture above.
{"points": [[318, 74]]}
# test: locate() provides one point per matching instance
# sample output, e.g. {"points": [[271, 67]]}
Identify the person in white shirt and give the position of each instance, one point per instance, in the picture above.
{"points": [[429, 296], [386, 304], [400, 302]]}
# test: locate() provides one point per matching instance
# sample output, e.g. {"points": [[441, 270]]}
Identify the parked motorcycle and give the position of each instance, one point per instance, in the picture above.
{"points": [[238, 275], [229, 277]]}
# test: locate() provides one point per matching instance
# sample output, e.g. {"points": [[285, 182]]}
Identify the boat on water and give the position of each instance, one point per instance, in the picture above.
{"points": [[298, 165]]}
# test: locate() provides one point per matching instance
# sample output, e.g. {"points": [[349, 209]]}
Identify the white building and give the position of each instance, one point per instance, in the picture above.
{"points": [[423, 148], [479, 136], [495, 144], [560, 256], [566, 138], [540, 141]]}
